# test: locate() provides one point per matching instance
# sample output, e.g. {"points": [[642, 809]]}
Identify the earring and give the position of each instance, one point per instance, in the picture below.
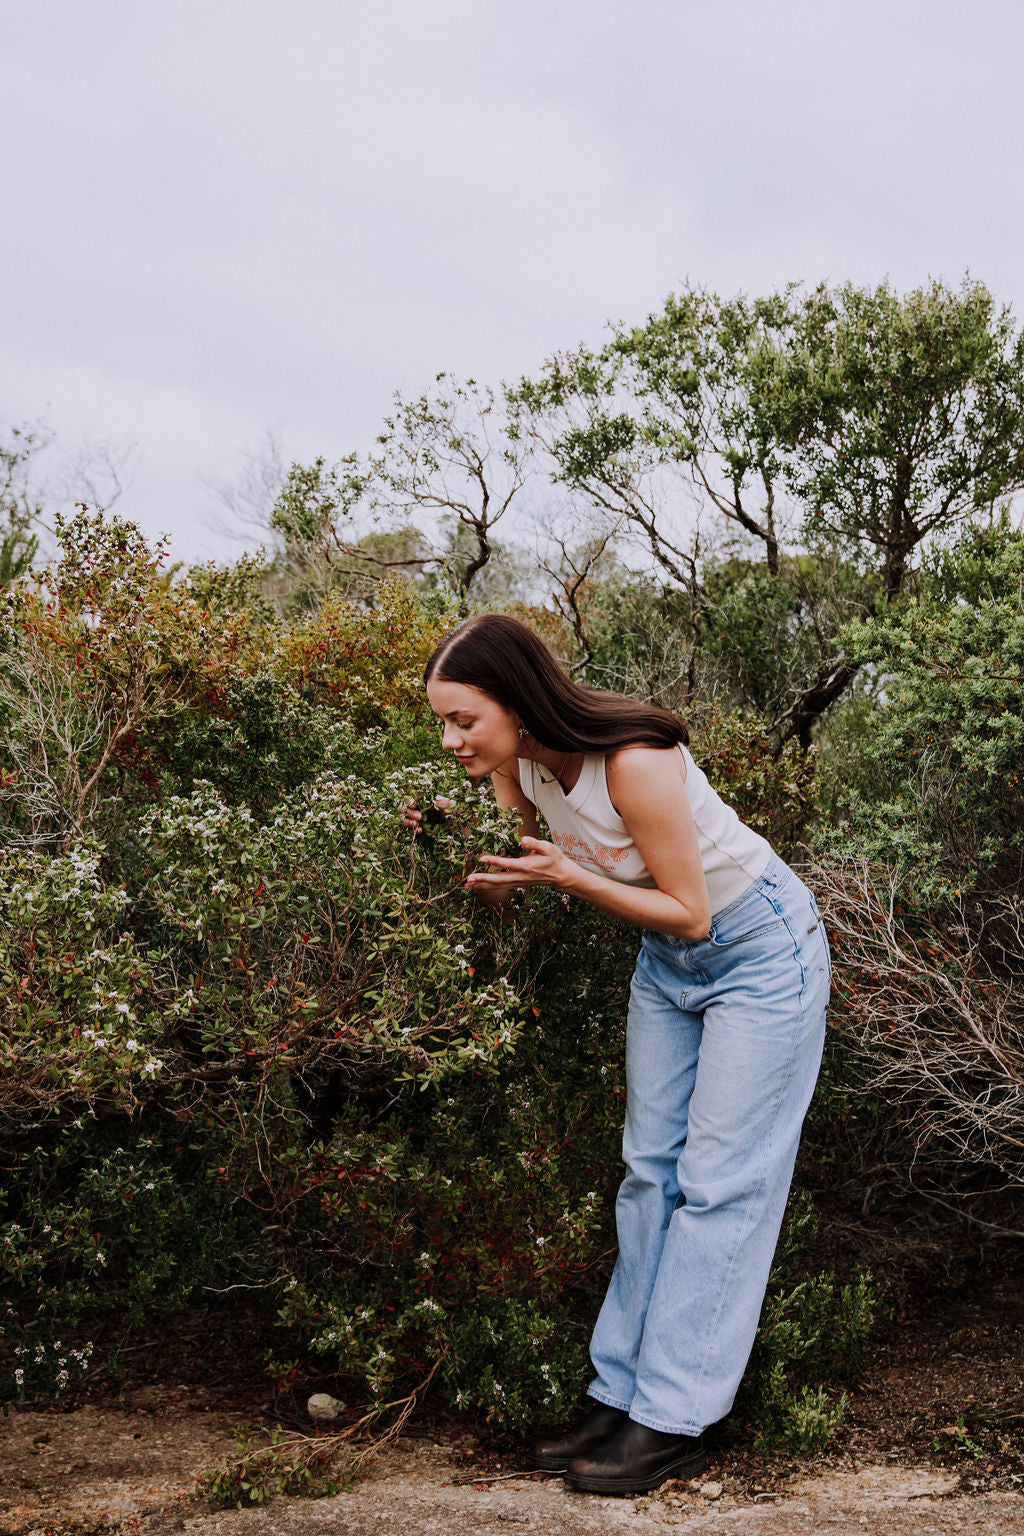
{"points": [[523, 732]]}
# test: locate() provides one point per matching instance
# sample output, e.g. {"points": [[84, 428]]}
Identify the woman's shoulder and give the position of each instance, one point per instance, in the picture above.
{"points": [[638, 769], [636, 756]]}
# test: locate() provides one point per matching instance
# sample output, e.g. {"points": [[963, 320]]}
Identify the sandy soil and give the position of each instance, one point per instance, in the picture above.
{"points": [[933, 1445], [132, 1470]]}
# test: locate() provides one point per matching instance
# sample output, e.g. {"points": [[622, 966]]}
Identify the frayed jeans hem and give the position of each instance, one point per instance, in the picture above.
{"points": [[609, 1402], [668, 1429]]}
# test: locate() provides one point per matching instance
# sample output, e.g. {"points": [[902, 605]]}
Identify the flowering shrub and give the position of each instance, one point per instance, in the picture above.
{"points": [[256, 1035], [365, 662]]}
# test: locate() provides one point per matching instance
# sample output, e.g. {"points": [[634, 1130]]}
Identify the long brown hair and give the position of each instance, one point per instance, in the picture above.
{"points": [[505, 660]]}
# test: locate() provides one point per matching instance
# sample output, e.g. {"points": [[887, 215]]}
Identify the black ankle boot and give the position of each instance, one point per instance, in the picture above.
{"points": [[636, 1459], [587, 1435]]}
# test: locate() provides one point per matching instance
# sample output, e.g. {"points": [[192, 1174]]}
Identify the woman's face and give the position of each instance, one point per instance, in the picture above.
{"points": [[482, 733]]}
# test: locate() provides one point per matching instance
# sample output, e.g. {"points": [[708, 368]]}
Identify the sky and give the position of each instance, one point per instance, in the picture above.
{"points": [[233, 217]]}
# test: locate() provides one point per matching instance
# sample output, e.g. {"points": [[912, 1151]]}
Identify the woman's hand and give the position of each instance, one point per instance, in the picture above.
{"points": [[413, 817], [543, 864]]}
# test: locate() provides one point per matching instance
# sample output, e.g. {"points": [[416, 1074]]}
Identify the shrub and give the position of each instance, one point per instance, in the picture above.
{"points": [[814, 1332], [920, 881], [258, 1036], [774, 790]]}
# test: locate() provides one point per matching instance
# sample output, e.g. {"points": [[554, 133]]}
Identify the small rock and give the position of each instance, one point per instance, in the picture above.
{"points": [[711, 1490], [324, 1408]]}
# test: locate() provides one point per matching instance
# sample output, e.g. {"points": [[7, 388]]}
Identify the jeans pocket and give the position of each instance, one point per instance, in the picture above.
{"points": [[728, 937]]}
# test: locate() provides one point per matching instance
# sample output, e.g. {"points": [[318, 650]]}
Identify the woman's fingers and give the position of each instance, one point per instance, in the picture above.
{"points": [[505, 881], [504, 874]]}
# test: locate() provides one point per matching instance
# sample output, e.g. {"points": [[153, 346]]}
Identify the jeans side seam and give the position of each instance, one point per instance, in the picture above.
{"points": [[796, 952]]}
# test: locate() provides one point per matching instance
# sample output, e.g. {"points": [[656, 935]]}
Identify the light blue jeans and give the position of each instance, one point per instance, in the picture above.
{"points": [[723, 1046]]}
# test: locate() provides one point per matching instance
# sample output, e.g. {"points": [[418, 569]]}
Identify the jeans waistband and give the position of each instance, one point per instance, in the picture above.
{"points": [[777, 874]]}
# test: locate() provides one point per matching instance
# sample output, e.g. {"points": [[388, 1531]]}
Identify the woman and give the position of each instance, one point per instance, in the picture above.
{"points": [[725, 1028]]}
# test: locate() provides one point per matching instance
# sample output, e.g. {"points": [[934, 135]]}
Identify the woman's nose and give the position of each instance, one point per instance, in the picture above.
{"points": [[451, 738]]}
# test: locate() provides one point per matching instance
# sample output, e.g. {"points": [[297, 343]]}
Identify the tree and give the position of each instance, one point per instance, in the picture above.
{"points": [[924, 874], [907, 416], [675, 416], [20, 513], [855, 421], [247, 501], [93, 650], [452, 453], [321, 549]]}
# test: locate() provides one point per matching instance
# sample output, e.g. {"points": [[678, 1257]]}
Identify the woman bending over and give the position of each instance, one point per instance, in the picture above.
{"points": [[724, 1031]]}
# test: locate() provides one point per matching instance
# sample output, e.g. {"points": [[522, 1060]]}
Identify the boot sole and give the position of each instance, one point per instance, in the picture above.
{"points": [[683, 1466]]}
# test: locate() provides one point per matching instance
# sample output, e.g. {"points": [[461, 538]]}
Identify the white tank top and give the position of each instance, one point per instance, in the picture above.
{"points": [[589, 830]]}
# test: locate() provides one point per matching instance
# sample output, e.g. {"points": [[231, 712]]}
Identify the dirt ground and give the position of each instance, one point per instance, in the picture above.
{"points": [[131, 1470], [933, 1443]]}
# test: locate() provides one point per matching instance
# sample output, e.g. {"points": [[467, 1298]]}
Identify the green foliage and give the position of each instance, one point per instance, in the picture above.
{"points": [[265, 1465], [516, 1365], [798, 1421], [813, 1333], [19, 511], [762, 630], [946, 747], [845, 425], [643, 641], [253, 1035], [908, 414], [258, 1036], [312, 499], [773, 789], [919, 873]]}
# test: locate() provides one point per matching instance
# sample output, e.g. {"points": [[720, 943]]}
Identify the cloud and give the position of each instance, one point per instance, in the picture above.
{"points": [[227, 215]]}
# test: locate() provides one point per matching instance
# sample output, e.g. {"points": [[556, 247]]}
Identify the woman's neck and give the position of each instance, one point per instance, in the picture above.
{"points": [[566, 767]]}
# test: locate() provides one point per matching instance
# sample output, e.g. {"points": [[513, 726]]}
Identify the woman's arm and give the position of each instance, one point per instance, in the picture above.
{"points": [[647, 788]]}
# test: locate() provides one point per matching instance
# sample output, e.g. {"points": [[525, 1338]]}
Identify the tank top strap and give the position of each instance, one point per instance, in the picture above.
{"points": [[526, 781]]}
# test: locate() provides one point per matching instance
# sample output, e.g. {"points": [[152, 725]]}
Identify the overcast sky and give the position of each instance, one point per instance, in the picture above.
{"points": [[233, 215]]}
